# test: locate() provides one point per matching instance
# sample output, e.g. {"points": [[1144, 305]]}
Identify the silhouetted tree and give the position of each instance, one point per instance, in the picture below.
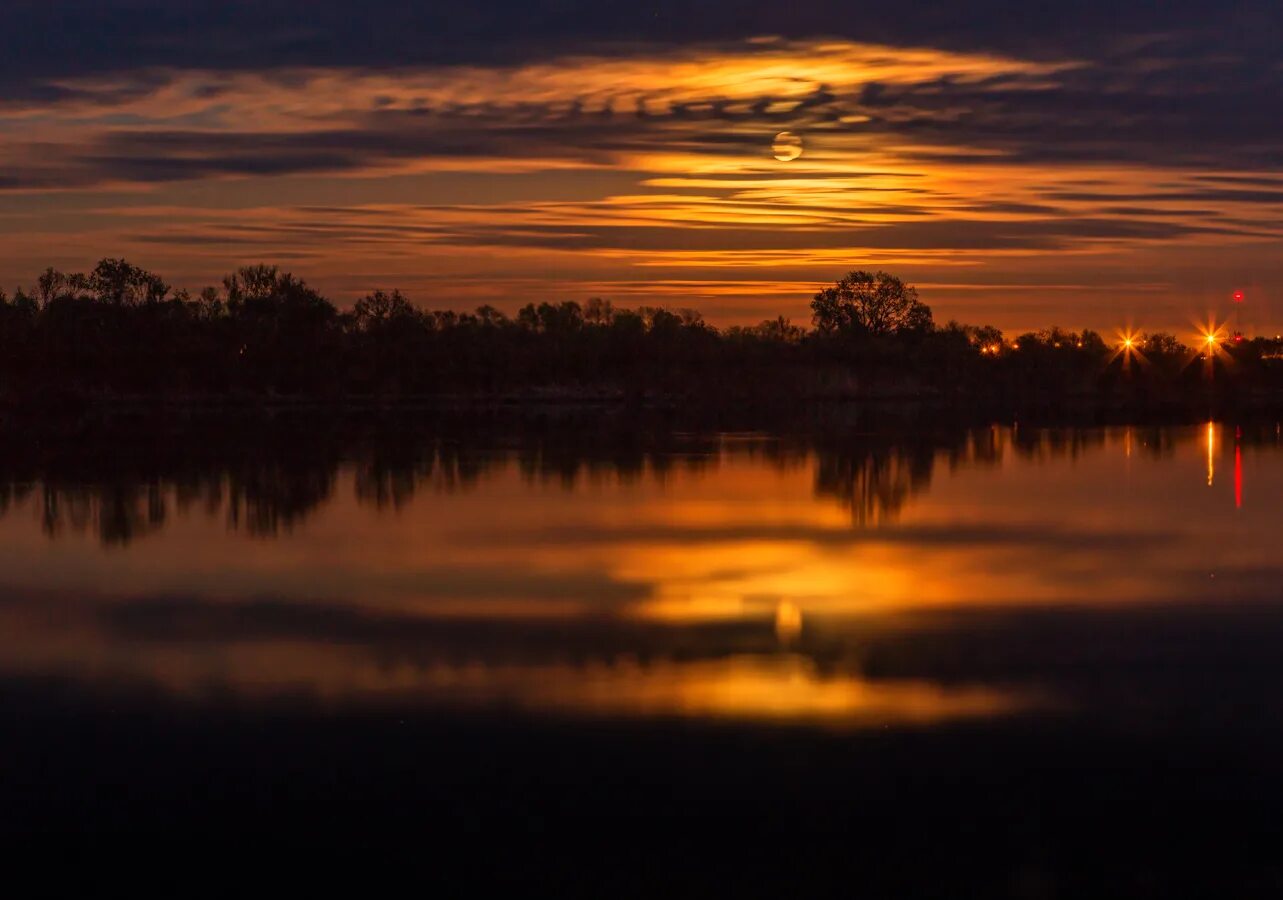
{"points": [[1160, 343], [984, 337], [865, 303], [49, 285], [598, 311], [121, 329], [208, 306], [490, 317], [116, 281], [778, 329], [381, 308], [1092, 342]]}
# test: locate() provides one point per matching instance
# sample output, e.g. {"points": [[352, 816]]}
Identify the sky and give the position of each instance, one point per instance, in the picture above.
{"points": [[1095, 164]]}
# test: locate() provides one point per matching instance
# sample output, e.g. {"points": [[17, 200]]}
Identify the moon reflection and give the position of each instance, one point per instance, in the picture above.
{"points": [[788, 621]]}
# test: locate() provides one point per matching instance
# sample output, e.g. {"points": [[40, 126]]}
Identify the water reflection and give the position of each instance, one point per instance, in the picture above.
{"points": [[788, 622], [824, 574], [1211, 453], [258, 491], [1238, 468], [124, 493]]}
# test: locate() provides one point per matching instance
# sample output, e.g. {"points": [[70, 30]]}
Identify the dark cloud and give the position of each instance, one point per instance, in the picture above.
{"points": [[62, 36], [508, 230], [1190, 84], [1201, 195], [952, 234], [1188, 88], [1144, 212], [1081, 115]]}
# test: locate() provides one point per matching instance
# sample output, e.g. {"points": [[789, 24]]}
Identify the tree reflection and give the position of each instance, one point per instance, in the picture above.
{"points": [[13, 493], [275, 497], [874, 482], [109, 484], [121, 485]]}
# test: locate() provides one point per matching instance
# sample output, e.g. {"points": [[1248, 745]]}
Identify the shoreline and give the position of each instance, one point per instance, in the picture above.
{"points": [[768, 411]]}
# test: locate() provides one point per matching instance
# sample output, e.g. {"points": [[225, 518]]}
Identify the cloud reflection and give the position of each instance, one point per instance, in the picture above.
{"points": [[645, 572]]}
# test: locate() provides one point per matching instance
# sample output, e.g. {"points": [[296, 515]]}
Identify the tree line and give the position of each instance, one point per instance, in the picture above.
{"points": [[122, 330]]}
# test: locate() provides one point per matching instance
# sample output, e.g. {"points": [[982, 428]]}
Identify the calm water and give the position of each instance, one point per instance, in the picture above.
{"points": [[1112, 591], [725, 575]]}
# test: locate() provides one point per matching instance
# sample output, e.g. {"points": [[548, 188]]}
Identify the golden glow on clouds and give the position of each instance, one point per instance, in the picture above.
{"points": [[787, 71], [685, 192]]}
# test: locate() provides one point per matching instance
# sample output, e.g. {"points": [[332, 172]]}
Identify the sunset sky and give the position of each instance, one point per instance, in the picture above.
{"points": [[1090, 164]]}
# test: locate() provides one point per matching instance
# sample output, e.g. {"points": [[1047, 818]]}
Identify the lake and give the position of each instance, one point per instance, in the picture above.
{"points": [[1039, 658]]}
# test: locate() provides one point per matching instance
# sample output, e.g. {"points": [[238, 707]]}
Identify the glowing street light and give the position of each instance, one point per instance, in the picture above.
{"points": [[1128, 340], [1129, 344], [1211, 336]]}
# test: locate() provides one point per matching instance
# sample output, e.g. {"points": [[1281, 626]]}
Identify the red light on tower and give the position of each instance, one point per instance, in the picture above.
{"points": [[1238, 296]]}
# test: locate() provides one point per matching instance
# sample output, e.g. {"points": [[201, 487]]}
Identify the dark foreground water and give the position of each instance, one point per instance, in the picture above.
{"points": [[842, 658]]}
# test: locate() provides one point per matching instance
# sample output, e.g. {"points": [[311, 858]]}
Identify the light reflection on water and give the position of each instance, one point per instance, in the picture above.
{"points": [[839, 578]]}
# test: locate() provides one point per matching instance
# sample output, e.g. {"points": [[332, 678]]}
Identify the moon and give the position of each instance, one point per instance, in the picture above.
{"points": [[787, 146]]}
